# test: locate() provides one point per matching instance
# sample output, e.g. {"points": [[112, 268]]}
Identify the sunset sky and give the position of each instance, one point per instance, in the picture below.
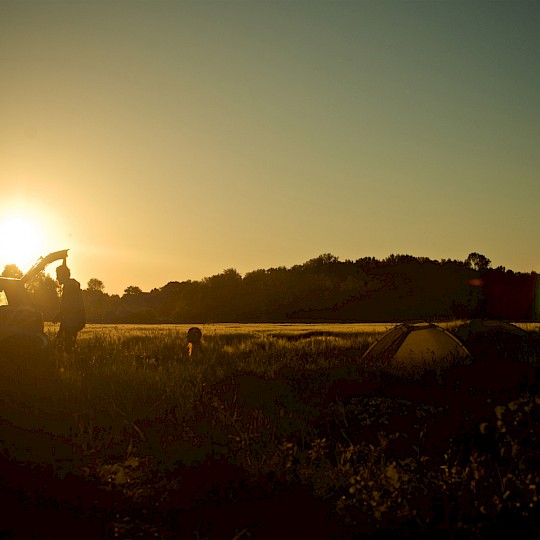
{"points": [[169, 140]]}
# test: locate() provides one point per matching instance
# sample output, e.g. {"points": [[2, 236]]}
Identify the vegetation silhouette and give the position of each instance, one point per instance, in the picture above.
{"points": [[323, 289], [135, 440]]}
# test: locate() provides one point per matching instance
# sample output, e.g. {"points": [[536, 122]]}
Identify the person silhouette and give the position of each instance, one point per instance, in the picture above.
{"points": [[72, 315], [194, 337]]}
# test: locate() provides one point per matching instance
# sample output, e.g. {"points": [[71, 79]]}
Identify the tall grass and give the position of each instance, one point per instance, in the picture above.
{"points": [[125, 381], [128, 381], [133, 388], [131, 405]]}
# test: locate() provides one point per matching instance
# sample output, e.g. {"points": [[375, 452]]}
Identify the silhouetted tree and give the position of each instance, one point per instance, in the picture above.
{"points": [[95, 284], [45, 295], [478, 262], [321, 260], [97, 303], [12, 271], [165, 300], [400, 287], [132, 290]]}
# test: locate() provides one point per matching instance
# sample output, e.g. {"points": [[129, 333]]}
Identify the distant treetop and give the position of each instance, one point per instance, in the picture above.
{"points": [[479, 262], [12, 271]]}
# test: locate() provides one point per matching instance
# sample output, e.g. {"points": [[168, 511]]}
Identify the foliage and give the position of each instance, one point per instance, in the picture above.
{"points": [[12, 271], [282, 406], [95, 284], [400, 287], [45, 293], [478, 262], [132, 290]]}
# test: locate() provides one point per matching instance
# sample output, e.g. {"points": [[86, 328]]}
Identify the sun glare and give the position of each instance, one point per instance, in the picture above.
{"points": [[21, 241]]}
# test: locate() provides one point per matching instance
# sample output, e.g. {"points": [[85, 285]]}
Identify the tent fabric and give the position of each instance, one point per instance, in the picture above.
{"points": [[495, 340], [417, 345], [485, 327]]}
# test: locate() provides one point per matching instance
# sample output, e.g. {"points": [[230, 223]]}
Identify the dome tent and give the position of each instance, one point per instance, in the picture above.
{"points": [[485, 327], [496, 340], [417, 345]]}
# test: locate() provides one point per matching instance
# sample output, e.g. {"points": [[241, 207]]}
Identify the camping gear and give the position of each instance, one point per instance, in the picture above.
{"points": [[490, 340], [416, 346], [485, 327]]}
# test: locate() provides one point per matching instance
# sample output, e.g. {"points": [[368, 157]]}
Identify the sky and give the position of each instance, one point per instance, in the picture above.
{"points": [[168, 141]]}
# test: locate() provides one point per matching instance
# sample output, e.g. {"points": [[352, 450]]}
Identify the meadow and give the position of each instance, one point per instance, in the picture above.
{"points": [[268, 431]]}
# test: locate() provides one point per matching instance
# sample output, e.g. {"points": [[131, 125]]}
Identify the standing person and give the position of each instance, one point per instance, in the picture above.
{"points": [[72, 314]]}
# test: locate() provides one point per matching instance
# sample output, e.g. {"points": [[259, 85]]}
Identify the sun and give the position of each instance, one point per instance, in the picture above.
{"points": [[21, 241]]}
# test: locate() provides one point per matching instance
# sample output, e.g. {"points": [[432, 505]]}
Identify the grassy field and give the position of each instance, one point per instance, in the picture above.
{"points": [[268, 431]]}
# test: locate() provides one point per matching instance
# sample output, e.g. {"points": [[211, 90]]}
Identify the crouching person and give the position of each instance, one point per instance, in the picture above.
{"points": [[72, 315], [194, 346]]}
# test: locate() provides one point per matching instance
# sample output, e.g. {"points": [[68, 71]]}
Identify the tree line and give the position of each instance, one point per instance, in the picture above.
{"points": [[323, 289]]}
